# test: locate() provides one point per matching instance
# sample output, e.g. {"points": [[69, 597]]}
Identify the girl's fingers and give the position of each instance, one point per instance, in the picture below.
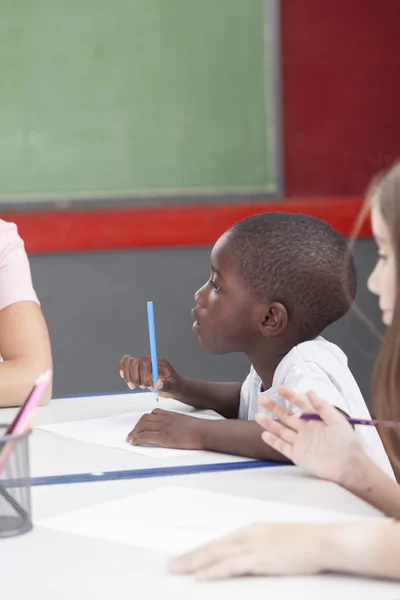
{"points": [[277, 444], [276, 428], [329, 414], [201, 558], [242, 564], [295, 398], [285, 416]]}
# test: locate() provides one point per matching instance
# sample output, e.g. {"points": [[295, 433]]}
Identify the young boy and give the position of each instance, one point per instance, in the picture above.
{"points": [[277, 281]]}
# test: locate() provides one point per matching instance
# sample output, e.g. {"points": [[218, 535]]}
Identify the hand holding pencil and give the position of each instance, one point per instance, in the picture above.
{"points": [[352, 421], [325, 446], [137, 373], [150, 372]]}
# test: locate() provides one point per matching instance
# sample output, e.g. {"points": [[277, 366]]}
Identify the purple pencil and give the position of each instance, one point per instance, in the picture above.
{"points": [[373, 422]]}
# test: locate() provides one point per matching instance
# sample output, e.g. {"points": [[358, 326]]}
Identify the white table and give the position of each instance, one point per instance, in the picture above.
{"points": [[46, 564]]}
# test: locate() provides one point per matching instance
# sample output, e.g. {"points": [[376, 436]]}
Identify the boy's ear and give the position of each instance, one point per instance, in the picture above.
{"points": [[275, 320]]}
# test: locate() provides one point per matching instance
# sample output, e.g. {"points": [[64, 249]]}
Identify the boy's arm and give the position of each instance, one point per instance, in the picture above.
{"points": [[236, 436], [176, 430], [224, 398]]}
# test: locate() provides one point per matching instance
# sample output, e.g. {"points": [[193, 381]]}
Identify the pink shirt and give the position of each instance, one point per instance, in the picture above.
{"points": [[15, 273]]}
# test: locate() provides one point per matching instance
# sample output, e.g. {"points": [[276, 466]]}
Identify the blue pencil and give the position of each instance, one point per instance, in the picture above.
{"points": [[153, 345]]}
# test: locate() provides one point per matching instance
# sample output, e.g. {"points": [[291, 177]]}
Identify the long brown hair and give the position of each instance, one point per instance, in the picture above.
{"points": [[384, 193]]}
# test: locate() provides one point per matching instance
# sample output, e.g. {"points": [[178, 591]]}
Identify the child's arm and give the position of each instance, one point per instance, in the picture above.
{"points": [[24, 339], [176, 430], [367, 481], [369, 549], [329, 449], [25, 349], [236, 436], [224, 398]]}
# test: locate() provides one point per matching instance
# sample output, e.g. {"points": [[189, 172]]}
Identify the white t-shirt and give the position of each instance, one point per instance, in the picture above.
{"points": [[321, 367]]}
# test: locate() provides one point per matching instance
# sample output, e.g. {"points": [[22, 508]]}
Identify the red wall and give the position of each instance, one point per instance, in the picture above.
{"points": [[341, 89], [341, 111]]}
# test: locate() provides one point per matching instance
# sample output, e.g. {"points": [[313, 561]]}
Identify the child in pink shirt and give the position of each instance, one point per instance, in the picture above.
{"points": [[15, 273], [24, 339]]}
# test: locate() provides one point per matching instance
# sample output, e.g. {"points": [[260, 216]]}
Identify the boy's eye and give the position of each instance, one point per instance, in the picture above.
{"points": [[214, 285]]}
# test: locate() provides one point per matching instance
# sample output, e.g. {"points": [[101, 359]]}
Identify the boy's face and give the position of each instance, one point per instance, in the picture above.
{"points": [[225, 313]]}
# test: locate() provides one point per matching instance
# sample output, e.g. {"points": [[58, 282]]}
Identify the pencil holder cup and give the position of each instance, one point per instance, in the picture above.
{"points": [[15, 490]]}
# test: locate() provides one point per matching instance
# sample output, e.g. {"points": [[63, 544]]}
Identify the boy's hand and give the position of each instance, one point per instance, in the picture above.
{"points": [[168, 429], [136, 370]]}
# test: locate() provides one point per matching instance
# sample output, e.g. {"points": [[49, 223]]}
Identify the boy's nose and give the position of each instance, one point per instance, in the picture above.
{"points": [[199, 297]]}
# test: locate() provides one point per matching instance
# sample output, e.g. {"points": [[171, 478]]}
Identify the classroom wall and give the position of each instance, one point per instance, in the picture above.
{"points": [[341, 93], [95, 306]]}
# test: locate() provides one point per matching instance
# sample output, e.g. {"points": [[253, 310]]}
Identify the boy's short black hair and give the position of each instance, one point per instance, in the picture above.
{"points": [[299, 261]]}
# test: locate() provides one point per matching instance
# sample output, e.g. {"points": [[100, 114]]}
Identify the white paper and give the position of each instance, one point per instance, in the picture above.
{"points": [[176, 519], [112, 432]]}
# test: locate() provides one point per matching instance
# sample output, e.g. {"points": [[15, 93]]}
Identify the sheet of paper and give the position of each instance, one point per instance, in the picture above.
{"points": [[176, 519], [112, 432]]}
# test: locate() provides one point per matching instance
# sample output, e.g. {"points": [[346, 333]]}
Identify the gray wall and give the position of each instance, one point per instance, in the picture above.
{"points": [[95, 306]]}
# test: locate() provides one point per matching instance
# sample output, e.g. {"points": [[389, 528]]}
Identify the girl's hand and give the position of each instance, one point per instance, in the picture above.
{"points": [[329, 448], [261, 549]]}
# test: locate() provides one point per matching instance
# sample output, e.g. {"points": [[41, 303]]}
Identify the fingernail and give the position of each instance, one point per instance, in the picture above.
{"points": [[130, 385], [142, 387], [159, 385], [297, 414], [121, 374]]}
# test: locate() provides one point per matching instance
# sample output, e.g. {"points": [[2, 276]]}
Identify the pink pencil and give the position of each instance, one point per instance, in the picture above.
{"points": [[30, 403], [22, 421]]}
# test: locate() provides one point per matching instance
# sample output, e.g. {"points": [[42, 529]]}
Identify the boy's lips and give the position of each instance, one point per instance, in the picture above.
{"points": [[196, 323]]}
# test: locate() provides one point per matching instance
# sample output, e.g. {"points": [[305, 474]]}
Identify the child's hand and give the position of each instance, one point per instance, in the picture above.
{"points": [[261, 549], [168, 429], [329, 448], [136, 370]]}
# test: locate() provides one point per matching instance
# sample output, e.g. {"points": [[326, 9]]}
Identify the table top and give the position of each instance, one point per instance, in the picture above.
{"points": [[77, 567]]}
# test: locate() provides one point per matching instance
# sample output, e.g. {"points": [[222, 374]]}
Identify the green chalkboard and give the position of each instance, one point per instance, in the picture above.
{"points": [[136, 97]]}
